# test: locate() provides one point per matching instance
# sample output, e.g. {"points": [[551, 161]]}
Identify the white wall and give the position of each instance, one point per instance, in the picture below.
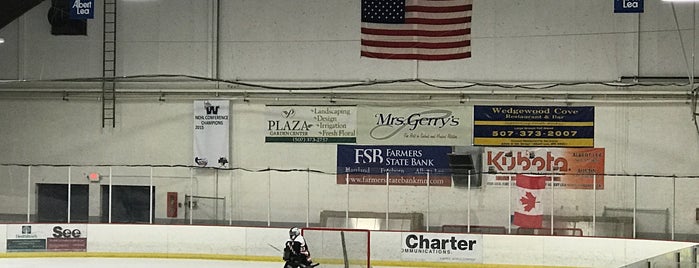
{"points": [[285, 41], [638, 139], [643, 139], [513, 40]]}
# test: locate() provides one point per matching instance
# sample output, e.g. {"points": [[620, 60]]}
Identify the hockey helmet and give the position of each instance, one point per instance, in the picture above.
{"points": [[294, 232]]}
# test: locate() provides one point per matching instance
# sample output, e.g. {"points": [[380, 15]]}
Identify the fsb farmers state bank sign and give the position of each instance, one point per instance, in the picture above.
{"points": [[400, 165]]}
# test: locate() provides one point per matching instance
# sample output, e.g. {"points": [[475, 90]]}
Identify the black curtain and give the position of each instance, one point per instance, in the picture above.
{"points": [[130, 204], [61, 24], [12, 9], [53, 203]]}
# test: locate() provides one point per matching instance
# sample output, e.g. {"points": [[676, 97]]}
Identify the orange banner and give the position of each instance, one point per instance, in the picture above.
{"points": [[571, 168]]}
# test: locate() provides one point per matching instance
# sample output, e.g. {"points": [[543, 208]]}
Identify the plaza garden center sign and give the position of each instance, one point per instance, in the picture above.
{"points": [[311, 124]]}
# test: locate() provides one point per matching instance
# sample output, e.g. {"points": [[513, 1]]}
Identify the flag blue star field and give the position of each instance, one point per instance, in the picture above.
{"points": [[416, 29]]}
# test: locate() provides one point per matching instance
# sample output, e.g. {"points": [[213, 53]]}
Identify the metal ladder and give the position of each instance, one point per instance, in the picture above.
{"points": [[109, 64], [695, 107]]}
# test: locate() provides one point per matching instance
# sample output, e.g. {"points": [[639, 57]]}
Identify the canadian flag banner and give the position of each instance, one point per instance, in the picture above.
{"points": [[529, 211]]}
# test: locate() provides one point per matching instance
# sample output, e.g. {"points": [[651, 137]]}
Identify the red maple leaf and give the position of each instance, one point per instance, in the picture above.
{"points": [[529, 201]]}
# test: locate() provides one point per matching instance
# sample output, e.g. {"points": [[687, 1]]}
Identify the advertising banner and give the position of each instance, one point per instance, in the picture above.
{"points": [[82, 9], [571, 168], [628, 6], [413, 125], [46, 237], [211, 133], [534, 126], [311, 124], [442, 247], [405, 165]]}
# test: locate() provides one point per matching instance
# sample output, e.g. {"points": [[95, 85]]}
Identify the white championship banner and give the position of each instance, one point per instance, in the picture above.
{"points": [[211, 133]]}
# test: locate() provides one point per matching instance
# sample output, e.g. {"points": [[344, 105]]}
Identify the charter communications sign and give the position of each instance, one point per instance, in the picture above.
{"points": [[442, 247]]}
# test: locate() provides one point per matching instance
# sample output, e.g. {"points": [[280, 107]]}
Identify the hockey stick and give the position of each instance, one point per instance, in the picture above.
{"points": [[280, 251], [275, 248]]}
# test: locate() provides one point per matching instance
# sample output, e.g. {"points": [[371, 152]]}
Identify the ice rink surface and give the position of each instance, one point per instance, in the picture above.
{"points": [[89, 262], [93, 262]]}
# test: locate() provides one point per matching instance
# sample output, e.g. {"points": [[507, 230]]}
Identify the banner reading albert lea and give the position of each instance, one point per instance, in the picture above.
{"points": [[211, 133]]}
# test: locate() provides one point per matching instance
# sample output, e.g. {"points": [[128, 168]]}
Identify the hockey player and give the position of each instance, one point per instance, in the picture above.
{"points": [[296, 253]]}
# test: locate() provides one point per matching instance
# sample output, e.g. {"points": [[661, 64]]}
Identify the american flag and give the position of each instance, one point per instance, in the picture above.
{"points": [[416, 29]]}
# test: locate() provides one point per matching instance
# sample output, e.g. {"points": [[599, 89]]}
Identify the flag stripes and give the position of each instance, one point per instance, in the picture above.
{"points": [[416, 29]]}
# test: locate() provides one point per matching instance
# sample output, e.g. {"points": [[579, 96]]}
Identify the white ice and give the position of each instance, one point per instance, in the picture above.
{"points": [[92, 262], [89, 262]]}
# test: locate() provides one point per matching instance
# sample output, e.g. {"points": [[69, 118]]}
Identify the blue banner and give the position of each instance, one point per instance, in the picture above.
{"points": [[534, 126], [403, 165], [628, 6], [82, 9]]}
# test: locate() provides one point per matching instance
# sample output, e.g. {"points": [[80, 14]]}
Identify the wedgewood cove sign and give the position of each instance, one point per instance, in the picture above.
{"points": [[413, 125], [311, 124]]}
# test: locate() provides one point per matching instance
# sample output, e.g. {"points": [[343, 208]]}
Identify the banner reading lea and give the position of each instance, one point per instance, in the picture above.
{"points": [[535, 126], [311, 124], [405, 165], [571, 168], [211, 133]]}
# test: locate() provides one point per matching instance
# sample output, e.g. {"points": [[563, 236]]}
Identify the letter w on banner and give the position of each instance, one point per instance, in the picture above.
{"points": [[529, 211]]}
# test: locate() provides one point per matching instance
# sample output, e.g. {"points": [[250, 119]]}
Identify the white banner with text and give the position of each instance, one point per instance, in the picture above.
{"points": [[414, 125], [211, 133]]}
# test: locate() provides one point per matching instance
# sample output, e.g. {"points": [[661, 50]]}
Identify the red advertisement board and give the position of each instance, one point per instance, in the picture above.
{"points": [[66, 244], [571, 168]]}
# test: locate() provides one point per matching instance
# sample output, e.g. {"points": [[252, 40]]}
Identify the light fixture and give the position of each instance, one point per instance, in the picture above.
{"points": [[2, 40]]}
